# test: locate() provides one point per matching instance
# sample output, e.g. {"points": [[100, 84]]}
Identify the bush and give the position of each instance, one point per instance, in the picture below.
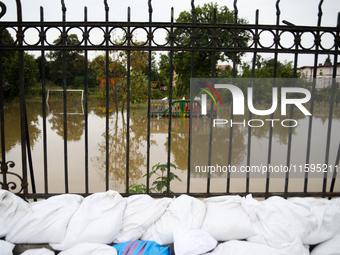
{"points": [[11, 75]]}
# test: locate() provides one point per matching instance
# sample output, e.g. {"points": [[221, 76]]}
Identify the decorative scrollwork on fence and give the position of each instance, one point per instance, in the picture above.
{"points": [[3, 9], [11, 185]]}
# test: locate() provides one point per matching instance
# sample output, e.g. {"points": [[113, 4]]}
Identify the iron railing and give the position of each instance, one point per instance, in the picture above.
{"points": [[129, 29]]}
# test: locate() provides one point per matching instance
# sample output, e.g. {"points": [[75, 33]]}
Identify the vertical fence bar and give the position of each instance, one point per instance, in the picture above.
{"points": [[64, 42], [335, 170], [20, 38], [2, 114], [310, 124], [43, 88], [290, 132], [107, 70], [232, 103], [149, 102], [3, 163], [2, 125], [170, 108], [213, 71], [330, 116], [330, 120], [252, 85], [274, 85], [86, 36], [193, 12], [29, 155], [336, 165], [2, 118], [128, 107]]}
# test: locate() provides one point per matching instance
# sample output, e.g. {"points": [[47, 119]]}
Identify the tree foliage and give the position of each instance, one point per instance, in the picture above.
{"points": [[203, 60], [264, 68], [10, 64], [40, 61], [74, 62]]}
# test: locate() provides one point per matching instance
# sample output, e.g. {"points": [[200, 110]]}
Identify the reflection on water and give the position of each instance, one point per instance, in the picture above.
{"points": [[260, 132], [158, 147]]}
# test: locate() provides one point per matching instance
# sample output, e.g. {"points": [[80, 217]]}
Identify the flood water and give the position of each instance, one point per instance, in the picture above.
{"points": [[158, 148]]}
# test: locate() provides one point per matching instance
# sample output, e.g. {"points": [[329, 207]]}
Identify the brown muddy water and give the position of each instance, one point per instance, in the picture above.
{"points": [[159, 147]]}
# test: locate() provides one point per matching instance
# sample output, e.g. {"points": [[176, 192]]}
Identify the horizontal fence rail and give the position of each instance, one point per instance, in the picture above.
{"points": [[299, 44], [89, 41]]}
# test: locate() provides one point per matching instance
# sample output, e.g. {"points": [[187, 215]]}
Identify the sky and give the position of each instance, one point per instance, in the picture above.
{"points": [[298, 12]]}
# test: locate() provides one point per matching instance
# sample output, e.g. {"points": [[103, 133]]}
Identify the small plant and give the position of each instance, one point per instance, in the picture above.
{"points": [[161, 181], [137, 188]]}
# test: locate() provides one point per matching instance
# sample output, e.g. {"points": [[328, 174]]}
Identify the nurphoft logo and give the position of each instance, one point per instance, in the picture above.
{"points": [[238, 100]]}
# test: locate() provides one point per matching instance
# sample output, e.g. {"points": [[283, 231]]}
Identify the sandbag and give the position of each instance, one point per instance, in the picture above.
{"points": [[46, 220], [226, 219], [141, 211], [90, 249], [327, 214], [41, 251], [6, 248], [330, 247], [182, 212], [236, 247], [193, 242], [97, 220], [12, 210], [278, 221]]}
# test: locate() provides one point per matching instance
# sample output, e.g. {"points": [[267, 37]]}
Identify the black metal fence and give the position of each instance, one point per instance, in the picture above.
{"points": [[172, 45]]}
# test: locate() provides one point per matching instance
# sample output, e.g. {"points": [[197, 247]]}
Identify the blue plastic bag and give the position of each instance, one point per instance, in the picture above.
{"points": [[141, 248]]}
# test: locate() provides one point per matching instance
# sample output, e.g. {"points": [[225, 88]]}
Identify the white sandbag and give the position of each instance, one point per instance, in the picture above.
{"points": [[182, 212], [97, 220], [90, 249], [295, 248], [12, 210], [6, 248], [330, 247], [141, 211], [277, 221], [193, 242], [235, 247], [226, 219], [327, 213], [46, 221], [41, 251]]}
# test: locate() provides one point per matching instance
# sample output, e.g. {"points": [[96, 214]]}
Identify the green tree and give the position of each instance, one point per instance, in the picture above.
{"points": [[264, 68], [203, 60], [7, 39], [11, 75], [74, 62], [10, 64], [139, 63], [164, 69], [39, 61], [79, 81]]}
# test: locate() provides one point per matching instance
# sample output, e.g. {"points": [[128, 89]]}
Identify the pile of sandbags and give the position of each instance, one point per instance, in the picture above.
{"points": [[71, 223]]}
